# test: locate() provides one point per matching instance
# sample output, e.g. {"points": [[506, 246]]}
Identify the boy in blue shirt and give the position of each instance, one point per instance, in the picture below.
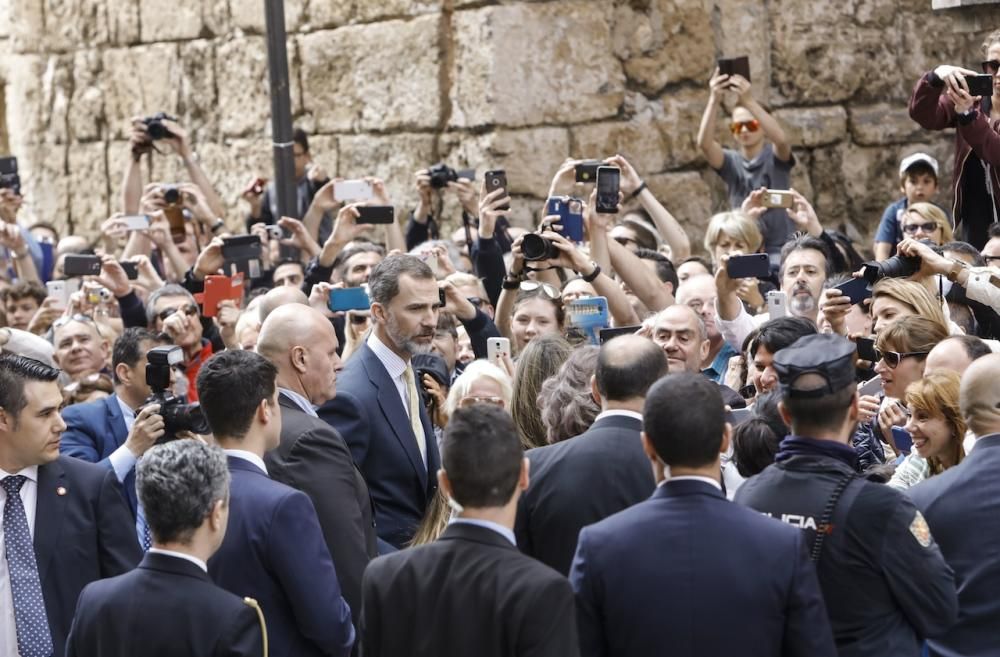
{"points": [[918, 180]]}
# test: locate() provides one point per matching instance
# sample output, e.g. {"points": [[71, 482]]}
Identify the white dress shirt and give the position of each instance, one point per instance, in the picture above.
{"points": [[122, 459], [621, 412], [247, 456], [704, 480], [29, 497], [394, 366], [180, 555], [304, 404]]}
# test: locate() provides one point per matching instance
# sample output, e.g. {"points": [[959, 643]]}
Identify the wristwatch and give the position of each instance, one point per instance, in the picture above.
{"points": [[956, 268]]}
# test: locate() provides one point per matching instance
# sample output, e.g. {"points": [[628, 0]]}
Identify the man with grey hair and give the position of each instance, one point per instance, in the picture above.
{"points": [[168, 605], [378, 409], [174, 311]]}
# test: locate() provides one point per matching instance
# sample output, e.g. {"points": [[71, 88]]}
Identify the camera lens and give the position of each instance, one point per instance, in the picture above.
{"points": [[535, 247], [171, 195]]}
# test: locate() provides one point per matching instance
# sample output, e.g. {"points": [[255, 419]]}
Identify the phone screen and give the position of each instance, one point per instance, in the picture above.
{"points": [[857, 290], [756, 265], [497, 179], [607, 189]]}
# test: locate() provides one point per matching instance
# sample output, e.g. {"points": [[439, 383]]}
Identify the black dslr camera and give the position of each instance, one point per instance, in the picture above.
{"points": [[898, 266], [441, 175], [177, 416], [534, 247], [9, 178], [155, 127]]}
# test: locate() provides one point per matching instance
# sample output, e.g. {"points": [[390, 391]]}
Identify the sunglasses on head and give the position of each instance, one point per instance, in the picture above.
{"points": [[63, 321], [893, 358], [753, 125], [547, 290], [625, 241], [190, 310], [991, 66], [929, 227]]}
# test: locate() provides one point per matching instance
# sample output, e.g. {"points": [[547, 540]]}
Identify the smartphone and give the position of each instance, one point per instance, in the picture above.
{"points": [[612, 333], [219, 289], [586, 171], [777, 304], [9, 178], [496, 349], [755, 265], [903, 440], [442, 299], [607, 189], [866, 350], [735, 66], [871, 387], [497, 179], [980, 85], [570, 211], [57, 290], [136, 222], [856, 289], [348, 298], [778, 198], [131, 269], [738, 416], [81, 265], [376, 214], [590, 315], [242, 254], [353, 190]]}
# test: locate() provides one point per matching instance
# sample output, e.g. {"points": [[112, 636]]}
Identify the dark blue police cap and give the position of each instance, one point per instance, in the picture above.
{"points": [[829, 357]]}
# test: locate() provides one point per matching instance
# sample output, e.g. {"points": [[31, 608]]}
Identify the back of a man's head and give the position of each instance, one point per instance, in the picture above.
{"points": [[281, 296], [231, 385], [481, 454], [684, 419], [627, 366], [179, 483], [956, 353], [980, 395]]}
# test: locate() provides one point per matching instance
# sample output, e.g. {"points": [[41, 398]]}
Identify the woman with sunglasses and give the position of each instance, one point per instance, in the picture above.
{"points": [[936, 426], [756, 163], [942, 100]]}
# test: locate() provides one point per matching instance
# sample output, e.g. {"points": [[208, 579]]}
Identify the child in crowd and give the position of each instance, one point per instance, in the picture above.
{"points": [[918, 180]]}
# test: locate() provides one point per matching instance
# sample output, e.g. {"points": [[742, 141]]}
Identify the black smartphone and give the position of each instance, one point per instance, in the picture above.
{"points": [[980, 85], [611, 333], [497, 179], [468, 174], [81, 265], [241, 246], [131, 269], [755, 265], [866, 349], [607, 189], [376, 214], [9, 178], [735, 66], [586, 171], [441, 296], [856, 289]]}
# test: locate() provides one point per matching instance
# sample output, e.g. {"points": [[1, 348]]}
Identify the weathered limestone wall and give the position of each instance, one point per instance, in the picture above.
{"points": [[390, 86]]}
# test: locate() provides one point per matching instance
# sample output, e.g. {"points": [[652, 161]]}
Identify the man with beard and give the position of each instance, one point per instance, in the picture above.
{"points": [[378, 409], [805, 265]]}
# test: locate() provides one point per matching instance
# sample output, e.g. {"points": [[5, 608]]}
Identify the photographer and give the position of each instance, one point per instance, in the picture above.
{"points": [[981, 283], [431, 184]]}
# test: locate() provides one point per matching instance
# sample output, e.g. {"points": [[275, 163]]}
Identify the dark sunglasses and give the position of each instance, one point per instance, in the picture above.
{"points": [[991, 258], [929, 227], [893, 358], [736, 127], [190, 310], [991, 66], [475, 301]]}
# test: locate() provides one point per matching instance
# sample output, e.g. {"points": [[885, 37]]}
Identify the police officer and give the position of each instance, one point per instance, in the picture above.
{"points": [[884, 580]]}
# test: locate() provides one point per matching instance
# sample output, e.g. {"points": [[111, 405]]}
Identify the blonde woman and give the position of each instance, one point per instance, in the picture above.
{"points": [[732, 233]]}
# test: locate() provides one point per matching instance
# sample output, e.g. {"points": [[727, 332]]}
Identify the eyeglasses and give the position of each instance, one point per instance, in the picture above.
{"points": [[991, 66], [469, 401], [929, 227], [736, 127], [990, 258], [893, 358], [547, 290], [190, 310]]}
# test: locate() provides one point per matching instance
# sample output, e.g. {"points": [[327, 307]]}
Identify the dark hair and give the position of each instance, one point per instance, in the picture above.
{"points": [[383, 283], [844, 257], [919, 168], [994, 230], [231, 385], [814, 414], [300, 137], [45, 226], [447, 323], [975, 348], [567, 407], [15, 372], [802, 243], [128, 348], [179, 483], [700, 260], [755, 442], [963, 317], [684, 419], [776, 334], [966, 249], [627, 366], [482, 456], [359, 247], [664, 268], [25, 289]]}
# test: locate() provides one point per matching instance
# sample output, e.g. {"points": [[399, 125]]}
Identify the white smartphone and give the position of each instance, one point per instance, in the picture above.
{"points": [[870, 387], [353, 190], [136, 222], [57, 290], [496, 349], [777, 304], [738, 416]]}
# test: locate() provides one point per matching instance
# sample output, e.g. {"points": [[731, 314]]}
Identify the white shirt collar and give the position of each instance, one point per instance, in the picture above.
{"points": [[299, 400], [498, 528], [621, 412], [393, 364], [180, 555], [247, 456], [127, 411], [706, 480], [30, 473]]}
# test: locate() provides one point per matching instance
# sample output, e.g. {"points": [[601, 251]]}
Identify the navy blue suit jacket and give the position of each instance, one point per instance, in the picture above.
{"points": [[369, 414], [689, 573], [274, 552], [961, 506], [94, 430]]}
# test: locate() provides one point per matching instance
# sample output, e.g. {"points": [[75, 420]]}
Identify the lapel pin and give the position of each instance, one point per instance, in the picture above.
{"points": [[60, 491]]}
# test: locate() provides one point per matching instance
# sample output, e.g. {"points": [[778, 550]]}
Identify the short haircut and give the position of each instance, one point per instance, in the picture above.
{"points": [[24, 290], [482, 456], [754, 446], [448, 324], [966, 249], [911, 334], [301, 137], [735, 225], [814, 414], [383, 283], [15, 372], [684, 418], [359, 247], [664, 268], [919, 168], [128, 348], [776, 334], [169, 290], [462, 279], [479, 369], [627, 367], [700, 260], [231, 385], [801, 243], [994, 230], [991, 38], [975, 348], [179, 483]]}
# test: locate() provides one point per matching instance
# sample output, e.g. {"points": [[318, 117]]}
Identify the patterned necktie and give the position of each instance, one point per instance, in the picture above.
{"points": [[413, 398], [145, 535], [33, 636]]}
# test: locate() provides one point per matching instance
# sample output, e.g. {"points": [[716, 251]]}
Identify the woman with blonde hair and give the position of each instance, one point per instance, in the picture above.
{"points": [[926, 221], [732, 231], [936, 426], [896, 298]]}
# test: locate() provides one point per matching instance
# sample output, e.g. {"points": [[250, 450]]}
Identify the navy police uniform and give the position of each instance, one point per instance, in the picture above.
{"points": [[883, 578]]}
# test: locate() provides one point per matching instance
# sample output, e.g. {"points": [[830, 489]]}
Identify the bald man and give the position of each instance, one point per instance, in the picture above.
{"points": [[312, 456], [961, 506], [955, 354], [282, 295]]}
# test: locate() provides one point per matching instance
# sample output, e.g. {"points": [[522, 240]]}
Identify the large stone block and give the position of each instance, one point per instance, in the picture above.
{"points": [[743, 29], [73, 23], [140, 81], [813, 126], [231, 165], [42, 167], [689, 197], [181, 19], [88, 188], [393, 158], [639, 141], [883, 123], [86, 112], [202, 111], [244, 87], [331, 13], [248, 15], [123, 21], [27, 24], [497, 77], [23, 95], [378, 77], [5, 26], [371, 11]]}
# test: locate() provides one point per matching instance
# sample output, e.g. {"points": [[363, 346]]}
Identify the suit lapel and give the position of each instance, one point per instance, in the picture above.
{"points": [[116, 422], [49, 511]]}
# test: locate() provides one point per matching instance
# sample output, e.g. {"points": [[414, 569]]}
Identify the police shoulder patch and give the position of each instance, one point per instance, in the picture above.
{"points": [[920, 530]]}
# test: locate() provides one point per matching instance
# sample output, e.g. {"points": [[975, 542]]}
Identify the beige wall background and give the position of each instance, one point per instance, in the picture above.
{"points": [[391, 86]]}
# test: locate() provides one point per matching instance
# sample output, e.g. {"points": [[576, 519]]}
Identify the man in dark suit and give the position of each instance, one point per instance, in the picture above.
{"points": [[471, 592], [378, 409], [168, 605], [688, 571], [65, 523], [956, 504], [579, 481], [312, 457], [274, 550]]}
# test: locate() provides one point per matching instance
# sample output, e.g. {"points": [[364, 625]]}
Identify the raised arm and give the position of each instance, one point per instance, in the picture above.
{"points": [[668, 227], [772, 129], [710, 148]]}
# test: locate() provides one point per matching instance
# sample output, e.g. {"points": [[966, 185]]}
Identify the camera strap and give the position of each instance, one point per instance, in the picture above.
{"points": [[526, 267]]}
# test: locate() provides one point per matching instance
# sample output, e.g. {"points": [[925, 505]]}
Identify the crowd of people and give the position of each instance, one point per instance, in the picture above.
{"points": [[338, 433]]}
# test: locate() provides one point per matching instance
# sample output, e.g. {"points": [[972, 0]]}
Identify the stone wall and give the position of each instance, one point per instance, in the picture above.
{"points": [[389, 86]]}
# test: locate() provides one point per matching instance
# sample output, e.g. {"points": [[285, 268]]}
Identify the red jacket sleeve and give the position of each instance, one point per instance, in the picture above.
{"points": [[928, 107], [981, 134]]}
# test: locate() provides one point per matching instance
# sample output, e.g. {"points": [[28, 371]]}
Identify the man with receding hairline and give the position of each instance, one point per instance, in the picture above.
{"points": [[698, 293], [281, 296]]}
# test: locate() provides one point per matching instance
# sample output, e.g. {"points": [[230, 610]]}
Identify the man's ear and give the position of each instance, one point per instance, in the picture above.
{"points": [[595, 394], [727, 437], [786, 417], [123, 373], [298, 358], [7, 422], [216, 517], [378, 312], [525, 479], [706, 348], [648, 448]]}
